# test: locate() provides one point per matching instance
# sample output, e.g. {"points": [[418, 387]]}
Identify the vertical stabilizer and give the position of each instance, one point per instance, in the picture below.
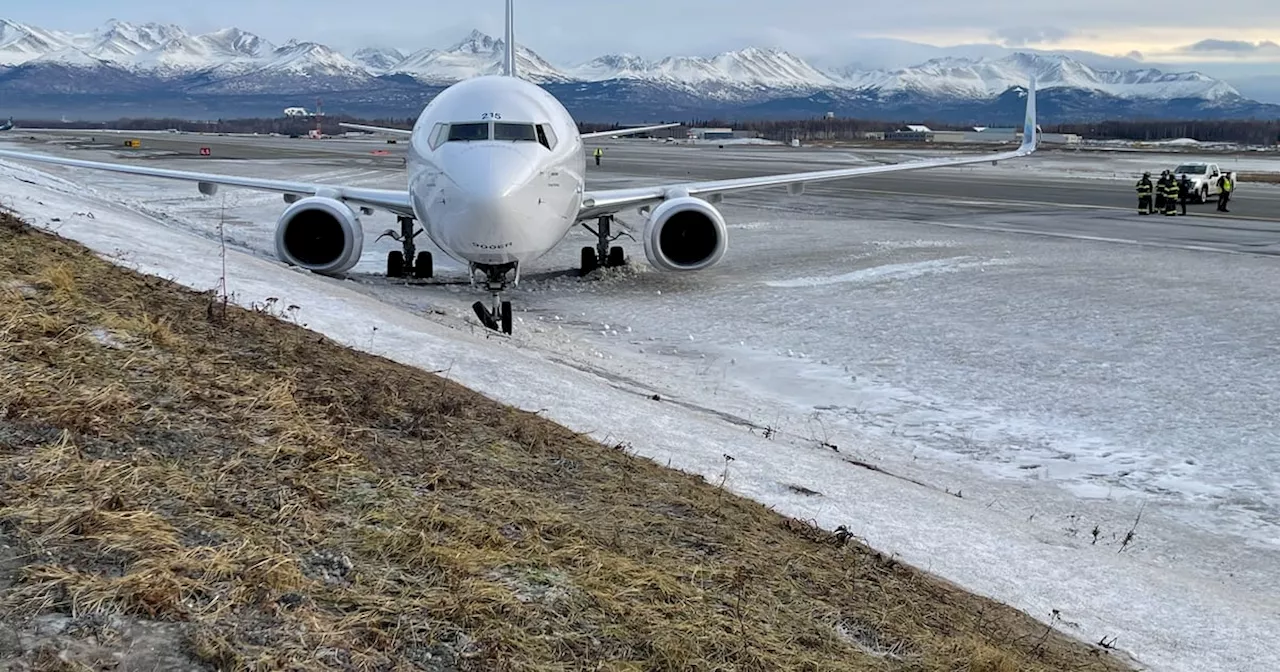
{"points": [[511, 40], [1029, 123]]}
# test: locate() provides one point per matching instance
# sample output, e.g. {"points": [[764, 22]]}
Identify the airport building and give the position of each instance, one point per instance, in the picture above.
{"points": [[978, 135], [711, 133]]}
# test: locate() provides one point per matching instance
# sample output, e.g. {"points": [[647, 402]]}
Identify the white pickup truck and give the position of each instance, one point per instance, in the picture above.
{"points": [[1204, 179]]}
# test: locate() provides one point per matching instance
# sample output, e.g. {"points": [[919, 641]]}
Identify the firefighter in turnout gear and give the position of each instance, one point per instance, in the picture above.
{"points": [[599, 153], [1144, 194], [1184, 192], [1160, 190], [1171, 196]]}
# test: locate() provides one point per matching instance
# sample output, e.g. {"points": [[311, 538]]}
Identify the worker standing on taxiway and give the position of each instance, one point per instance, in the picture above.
{"points": [[1184, 192], [1171, 196], [1225, 186], [1161, 186], [1144, 194], [599, 153]]}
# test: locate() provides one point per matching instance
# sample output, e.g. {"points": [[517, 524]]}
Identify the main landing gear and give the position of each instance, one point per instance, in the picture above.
{"points": [[603, 255], [498, 315], [402, 263]]}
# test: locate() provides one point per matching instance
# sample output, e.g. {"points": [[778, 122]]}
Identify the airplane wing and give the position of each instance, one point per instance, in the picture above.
{"points": [[610, 201], [585, 136], [385, 199], [624, 131], [376, 129]]}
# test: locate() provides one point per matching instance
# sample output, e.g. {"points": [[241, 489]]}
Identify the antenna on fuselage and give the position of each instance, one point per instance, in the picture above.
{"points": [[511, 40]]}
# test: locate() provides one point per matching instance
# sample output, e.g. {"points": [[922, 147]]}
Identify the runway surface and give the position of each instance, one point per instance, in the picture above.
{"points": [[706, 163], [1251, 226]]}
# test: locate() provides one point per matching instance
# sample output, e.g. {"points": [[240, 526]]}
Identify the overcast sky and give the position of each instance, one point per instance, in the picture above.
{"points": [[571, 31]]}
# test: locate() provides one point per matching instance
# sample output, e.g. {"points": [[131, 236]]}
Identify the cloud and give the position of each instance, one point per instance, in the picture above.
{"points": [[1025, 36], [1240, 47]]}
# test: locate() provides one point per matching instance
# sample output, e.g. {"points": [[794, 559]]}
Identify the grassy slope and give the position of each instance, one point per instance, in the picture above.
{"points": [[291, 502]]}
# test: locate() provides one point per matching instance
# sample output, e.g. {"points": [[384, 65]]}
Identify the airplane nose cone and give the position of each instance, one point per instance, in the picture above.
{"points": [[488, 174]]}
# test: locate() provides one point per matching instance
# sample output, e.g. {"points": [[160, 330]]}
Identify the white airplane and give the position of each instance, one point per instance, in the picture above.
{"points": [[496, 173]]}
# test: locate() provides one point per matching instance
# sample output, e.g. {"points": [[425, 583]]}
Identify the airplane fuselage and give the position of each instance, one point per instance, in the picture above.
{"points": [[496, 171]]}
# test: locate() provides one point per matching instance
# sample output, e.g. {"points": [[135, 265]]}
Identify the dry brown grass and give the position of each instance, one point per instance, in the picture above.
{"points": [[297, 505]]}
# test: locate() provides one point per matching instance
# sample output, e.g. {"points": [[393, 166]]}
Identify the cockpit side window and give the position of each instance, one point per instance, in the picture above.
{"points": [[438, 134], [514, 132], [550, 133], [469, 132], [542, 136]]}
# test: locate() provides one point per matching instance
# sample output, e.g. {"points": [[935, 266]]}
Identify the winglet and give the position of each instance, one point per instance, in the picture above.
{"points": [[1030, 138], [510, 66]]}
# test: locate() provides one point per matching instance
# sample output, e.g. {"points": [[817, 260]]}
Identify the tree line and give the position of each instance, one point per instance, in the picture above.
{"points": [[1250, 132]]}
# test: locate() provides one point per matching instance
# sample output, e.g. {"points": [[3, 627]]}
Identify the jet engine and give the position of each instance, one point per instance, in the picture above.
{"points": [[320, 234], [685, 234]]}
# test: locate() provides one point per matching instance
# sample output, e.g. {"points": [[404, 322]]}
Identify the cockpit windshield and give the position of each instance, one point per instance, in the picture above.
{"points": [[1191, 169], [483, 130], [514, 132], [468, 132]]}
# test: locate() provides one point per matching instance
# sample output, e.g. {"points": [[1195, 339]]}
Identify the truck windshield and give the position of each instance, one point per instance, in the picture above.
{"points": [[1191, 170]]}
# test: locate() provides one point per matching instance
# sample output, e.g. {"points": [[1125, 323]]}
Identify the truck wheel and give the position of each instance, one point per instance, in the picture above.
{"points": [[1204, 194]]}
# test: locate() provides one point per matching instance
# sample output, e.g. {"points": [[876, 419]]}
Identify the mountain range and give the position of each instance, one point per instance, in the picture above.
{"points": [[150, 69]]}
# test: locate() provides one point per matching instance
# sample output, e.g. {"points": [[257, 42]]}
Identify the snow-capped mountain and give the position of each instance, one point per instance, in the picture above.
{"points": [[378, 59], [750, 68], [293, 68], [20, 43], [477, 54], [984, 78], [130, 62], [119, 40]]}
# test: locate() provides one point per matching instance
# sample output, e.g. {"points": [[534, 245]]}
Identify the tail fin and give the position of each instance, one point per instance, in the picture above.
{"points": [[1029, 126], [511, 40]]}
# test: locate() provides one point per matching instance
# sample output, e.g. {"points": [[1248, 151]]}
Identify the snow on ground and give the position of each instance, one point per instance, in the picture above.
{"points": [[1058, 161], [1014, 401], [1128, 167]]}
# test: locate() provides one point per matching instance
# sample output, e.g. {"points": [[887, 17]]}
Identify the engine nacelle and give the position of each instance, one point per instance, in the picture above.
{"points": [[322, 235], [685, 234]]}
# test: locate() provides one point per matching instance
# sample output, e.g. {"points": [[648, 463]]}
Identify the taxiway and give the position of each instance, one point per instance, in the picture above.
{"points": [[1084, 183]]}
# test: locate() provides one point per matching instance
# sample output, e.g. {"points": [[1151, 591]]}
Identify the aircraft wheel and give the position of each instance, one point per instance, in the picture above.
{"points": [[589, 261], [423, 267], [395, 264], [506, 317], [617, 257]]}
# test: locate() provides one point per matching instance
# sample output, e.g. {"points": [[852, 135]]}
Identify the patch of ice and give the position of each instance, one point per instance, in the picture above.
{"points": [[902, 271]]}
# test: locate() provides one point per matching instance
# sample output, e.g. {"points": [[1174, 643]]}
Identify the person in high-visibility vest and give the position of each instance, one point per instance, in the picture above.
{"points": [[1144, 194], [599, 153], [1224, 192]]}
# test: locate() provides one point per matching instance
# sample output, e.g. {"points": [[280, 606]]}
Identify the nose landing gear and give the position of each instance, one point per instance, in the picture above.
{"points": [[496, 316]]}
